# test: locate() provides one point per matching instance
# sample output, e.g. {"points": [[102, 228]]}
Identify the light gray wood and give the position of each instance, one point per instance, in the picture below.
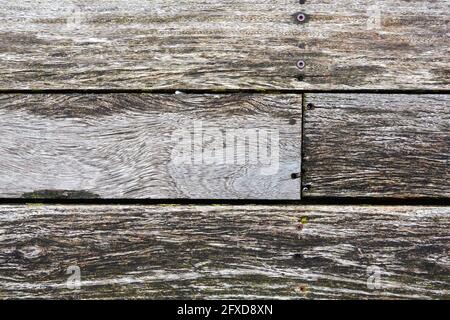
{"points": [[377, 145], [150, 146], [245, 44], [221, 252]]}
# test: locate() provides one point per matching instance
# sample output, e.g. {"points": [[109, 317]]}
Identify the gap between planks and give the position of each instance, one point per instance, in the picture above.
{"points": [[222, 91]]}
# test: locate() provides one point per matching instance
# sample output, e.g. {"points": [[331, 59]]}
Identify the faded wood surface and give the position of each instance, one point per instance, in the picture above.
{"points": [[225, 252], [243, 44], [376, 145], [150, 146]]}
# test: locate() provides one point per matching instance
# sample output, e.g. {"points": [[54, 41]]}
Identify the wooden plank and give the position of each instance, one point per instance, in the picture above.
{"points": [[133, 146], [371, 44], [383, 145], [193, 44], [224, 252]]}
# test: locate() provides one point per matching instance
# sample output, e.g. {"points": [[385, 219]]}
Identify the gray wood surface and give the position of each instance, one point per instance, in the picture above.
{"points": [[376, 145], [132, 146], [225, 252], [196, 44]]}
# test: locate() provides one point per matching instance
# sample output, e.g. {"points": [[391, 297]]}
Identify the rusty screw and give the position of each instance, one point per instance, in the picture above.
{"points": [[310, 106], [302, 289]]}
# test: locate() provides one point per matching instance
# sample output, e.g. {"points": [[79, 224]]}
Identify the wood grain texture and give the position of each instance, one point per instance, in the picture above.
{"points": [[376, 145], [150, 146], [243, 44], [225, 252], [371, 44]]}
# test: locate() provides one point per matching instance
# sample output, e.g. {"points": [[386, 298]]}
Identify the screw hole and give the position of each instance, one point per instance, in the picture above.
{"points": [[301, 64], [295, 176], [301, 17], [310, 106]]}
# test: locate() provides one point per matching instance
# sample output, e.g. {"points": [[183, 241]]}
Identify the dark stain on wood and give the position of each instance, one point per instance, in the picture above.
{"points": [[60, 194]]}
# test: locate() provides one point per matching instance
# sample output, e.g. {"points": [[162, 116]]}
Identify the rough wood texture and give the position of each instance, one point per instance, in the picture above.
{"points": [[216, 44], [150, 146], [377, 145], [225, 251]]}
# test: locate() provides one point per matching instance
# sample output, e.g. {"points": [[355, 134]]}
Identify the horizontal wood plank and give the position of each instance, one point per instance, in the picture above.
{"points": [[224, 252], [376, 145], [371, 44], [138, 146], [237, 44]]}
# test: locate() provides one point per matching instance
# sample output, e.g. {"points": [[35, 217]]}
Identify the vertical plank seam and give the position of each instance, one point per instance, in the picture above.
{"points": [[302, 153]]}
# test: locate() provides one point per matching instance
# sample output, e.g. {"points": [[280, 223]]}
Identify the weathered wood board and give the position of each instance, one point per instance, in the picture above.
{"points": [[371, 44], [223, 252], [376, 145], [243, 44], [147, 146]]}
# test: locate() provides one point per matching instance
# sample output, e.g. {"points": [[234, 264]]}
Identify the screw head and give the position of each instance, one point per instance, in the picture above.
{"points": [[301, 64], [295, 176], [301, 17]]}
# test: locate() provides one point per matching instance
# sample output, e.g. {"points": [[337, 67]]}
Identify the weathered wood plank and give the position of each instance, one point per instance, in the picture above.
{"points": [[150, 146], [371, 44], [225, 252], [193, 44], [376, 145]]}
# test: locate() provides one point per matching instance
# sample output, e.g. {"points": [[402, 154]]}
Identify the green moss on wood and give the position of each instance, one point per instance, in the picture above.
{"points": [[60, 194]]}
